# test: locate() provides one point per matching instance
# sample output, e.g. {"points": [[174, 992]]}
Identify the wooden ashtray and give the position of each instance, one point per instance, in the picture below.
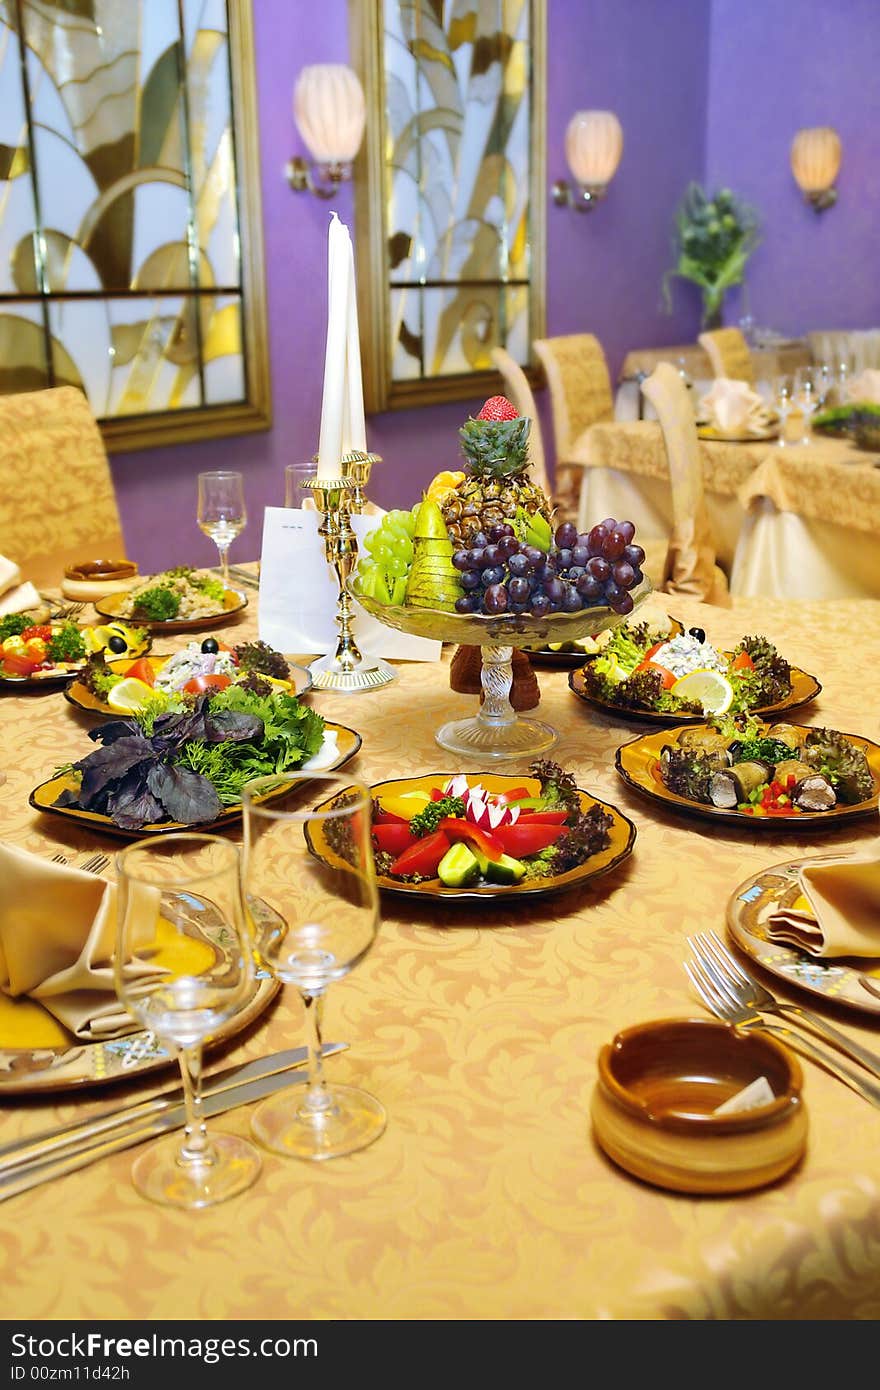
{"points": [[658, 1087], [88, 579]]}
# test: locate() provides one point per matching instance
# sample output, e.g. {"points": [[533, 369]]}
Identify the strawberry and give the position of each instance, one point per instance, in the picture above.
{"points": [[498, 408]]}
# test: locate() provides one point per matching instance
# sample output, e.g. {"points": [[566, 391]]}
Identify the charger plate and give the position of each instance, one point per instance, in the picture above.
{"points": [[38, 1054], [234, 600], [838, 979]]}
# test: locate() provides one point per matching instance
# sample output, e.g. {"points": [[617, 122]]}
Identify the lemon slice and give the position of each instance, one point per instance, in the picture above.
{"points": [[707, 688], [130, 694], [618, 673]]}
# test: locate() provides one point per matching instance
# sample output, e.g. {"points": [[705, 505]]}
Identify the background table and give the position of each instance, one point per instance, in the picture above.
{"points": [[798, 522], [640, 362], [479, 1027]]}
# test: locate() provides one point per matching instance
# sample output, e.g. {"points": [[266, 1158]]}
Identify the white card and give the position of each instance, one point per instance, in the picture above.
{"points": [[298, 593]]}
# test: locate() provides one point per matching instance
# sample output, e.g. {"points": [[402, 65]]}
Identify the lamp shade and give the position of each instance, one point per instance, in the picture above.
{"points": [[593, 146], [329, 110], [815, 158]]}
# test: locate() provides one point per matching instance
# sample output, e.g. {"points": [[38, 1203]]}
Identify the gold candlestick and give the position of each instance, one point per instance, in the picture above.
{"points": [[347, 671]]}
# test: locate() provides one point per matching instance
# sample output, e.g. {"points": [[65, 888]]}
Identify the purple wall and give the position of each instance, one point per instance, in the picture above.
{"points": [[775, 67], [648, 62]]}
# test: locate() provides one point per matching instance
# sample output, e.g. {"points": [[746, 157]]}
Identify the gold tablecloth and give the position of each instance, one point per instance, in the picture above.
{"points": [[479, 1028]]}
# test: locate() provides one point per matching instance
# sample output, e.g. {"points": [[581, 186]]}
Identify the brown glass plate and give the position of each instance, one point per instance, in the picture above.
{"points": [[804, 688], [622, 838], [43, 797], [233, 602], [79, 694], [838, 979], [638, 763], [59, 675]]}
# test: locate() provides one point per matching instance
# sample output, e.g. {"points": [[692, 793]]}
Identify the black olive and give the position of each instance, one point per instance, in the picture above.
{"points": [[698, 633], [117, 644], [210, 644]]}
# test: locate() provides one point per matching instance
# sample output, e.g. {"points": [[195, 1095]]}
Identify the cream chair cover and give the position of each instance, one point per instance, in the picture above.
{"points": [[858, 348], [57, 503], [690, 558], [580, 395], [728, 353], [519, 393]]}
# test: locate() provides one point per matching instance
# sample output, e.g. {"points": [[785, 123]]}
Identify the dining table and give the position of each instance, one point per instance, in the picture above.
{"points": [[797, 521], [770, 359], [478, 1025]]}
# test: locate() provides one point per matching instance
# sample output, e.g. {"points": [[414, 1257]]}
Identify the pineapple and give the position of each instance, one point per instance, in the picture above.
{"points": [[497, 488]]}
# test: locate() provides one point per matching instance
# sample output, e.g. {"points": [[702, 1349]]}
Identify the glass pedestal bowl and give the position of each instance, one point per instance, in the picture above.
{"points": [[497, 731]]}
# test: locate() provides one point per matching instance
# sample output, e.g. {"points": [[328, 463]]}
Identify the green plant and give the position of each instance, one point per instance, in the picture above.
{"points": [[713, 239]]}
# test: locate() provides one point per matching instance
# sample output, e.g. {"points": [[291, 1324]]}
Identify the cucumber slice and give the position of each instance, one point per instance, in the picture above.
{"points": [[505, 870], [458, 867]]}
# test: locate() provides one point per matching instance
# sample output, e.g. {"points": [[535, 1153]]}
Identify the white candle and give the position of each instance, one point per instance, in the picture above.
{"points": [[334, 402], [357, 429]]}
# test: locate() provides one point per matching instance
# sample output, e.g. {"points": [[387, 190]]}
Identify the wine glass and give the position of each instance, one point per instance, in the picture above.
{"points": [[806, 398], [222, 514], [296, 475], [783, 397], [182, 966], [313, 907]]}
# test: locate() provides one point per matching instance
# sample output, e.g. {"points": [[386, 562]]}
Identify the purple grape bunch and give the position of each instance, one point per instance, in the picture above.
{"points": [[499, 574]]}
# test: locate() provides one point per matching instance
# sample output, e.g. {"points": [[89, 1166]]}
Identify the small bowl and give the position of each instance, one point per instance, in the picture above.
{"points": [[658, 1086], [88, 579]]}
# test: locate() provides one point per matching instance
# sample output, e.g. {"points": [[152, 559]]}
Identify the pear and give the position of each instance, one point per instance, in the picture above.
{"points": [[430, 524]]}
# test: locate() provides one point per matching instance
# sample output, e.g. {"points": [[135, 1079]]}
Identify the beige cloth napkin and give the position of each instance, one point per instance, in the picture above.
{"points": [[57, 932], [839, 911], [864, 387], [733, 405], [15, 596]]}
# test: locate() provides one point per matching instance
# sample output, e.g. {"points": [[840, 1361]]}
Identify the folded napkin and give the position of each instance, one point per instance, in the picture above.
{"points": [[838, 912], [864, 387], [733, 405], [15, 596], [57, 932]]}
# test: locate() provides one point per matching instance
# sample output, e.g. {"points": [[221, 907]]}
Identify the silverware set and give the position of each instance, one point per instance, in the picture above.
{"points": [[95, 864], [733, 995]]}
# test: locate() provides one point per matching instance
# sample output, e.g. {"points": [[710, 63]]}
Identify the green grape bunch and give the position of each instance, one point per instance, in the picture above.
{"points": [[387, 555]]}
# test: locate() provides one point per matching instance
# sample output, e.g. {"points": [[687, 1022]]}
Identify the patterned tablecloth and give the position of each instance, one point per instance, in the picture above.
{"points": [[479, 1028]]}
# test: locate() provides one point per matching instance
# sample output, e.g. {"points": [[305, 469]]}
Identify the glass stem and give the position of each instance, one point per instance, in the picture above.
{"points": [[317, 1100], [196, 1147], [224, 562], [496, 677]]}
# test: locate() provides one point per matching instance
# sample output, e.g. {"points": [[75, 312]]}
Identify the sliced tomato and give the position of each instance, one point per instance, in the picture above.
{"points": [[517, 794], [18, 664], [437, 794], [520, 840], [423, 857], [393, 838], [213, 681], [142, 670], [487, 843], [389, 818], [41, 630], [743, 662], [667, 677], [541, 817]]}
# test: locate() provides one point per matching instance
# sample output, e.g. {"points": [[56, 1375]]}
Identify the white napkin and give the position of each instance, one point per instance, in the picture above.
{"points": [[733, 405], [15, 596], [864, 387]]}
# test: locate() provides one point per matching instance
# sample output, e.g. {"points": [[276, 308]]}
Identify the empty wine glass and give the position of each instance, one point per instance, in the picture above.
{"points": [[183, 965], [312, 903], [805, 399], [783, 397], [222, 514], [296, 476]]}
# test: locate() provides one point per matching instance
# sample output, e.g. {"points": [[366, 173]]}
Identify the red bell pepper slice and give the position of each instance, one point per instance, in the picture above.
{"points": [[541, 817], [516, 794], [743, 662], [393, 837], [389, 818], [438, 795], [487, 843], [520, 840], [423, 857]]}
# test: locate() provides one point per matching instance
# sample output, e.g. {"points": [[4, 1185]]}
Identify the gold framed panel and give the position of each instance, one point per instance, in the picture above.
{"points": [[147, 120], [383, 388]]}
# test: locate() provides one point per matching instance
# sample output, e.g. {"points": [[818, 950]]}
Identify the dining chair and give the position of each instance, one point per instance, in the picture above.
{"points": [[520, 394], [580, 396], [57, 502], [728, 354], [690, 566]]}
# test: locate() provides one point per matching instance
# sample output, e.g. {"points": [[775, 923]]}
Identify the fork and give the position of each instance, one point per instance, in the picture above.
{"points": [[745, 989], [723, 1006], [93, 865]]}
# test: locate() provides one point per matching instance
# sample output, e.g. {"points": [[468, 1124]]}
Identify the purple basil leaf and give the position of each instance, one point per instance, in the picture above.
{"points": [[170, 730], [132, 805], [110, 764], [233, 726], [187, 796], [115, 729]]}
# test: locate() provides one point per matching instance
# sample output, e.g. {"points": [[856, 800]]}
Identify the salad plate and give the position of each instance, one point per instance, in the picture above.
{"points": [[804, 688], [79, 694], [836, 979], [643, 762], [45, 796], [137, 639], [577, 654], [737, 436], [120, 606], [38, 1055], [620, 838]]}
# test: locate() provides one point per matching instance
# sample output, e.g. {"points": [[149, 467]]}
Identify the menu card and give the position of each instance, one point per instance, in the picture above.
{"points": [[299, 591]]}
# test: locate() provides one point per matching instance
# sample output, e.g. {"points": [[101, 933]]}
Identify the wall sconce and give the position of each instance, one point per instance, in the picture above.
{"points": [[330, 113], [593, 146], [815, 161]]}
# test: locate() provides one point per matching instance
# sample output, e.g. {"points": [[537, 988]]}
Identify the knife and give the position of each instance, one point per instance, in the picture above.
{"points": [[53, 1143]]}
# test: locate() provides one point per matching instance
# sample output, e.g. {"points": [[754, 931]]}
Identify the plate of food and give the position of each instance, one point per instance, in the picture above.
{"points": [[684, 678], [486, 835], [177, 600], [744, 770], [163, 683], [706, 430], [156, 773], [37, 1053], [34, 654], [653, 623], [851, 981]]}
